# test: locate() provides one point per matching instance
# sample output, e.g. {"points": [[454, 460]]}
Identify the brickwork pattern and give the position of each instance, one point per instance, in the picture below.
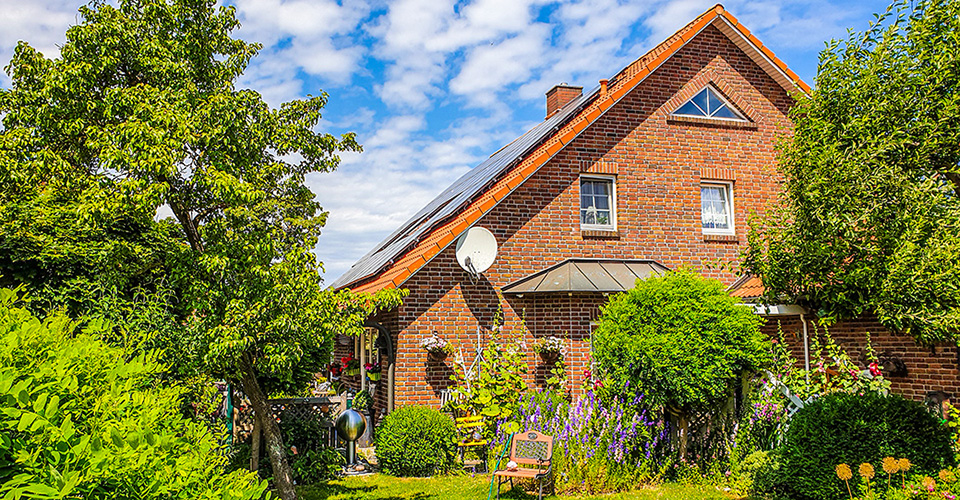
{"points": [[658, 165], [929, 369]]}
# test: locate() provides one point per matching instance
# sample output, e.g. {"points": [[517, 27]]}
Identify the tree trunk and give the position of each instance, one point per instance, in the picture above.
{"points": [[282, 476]]}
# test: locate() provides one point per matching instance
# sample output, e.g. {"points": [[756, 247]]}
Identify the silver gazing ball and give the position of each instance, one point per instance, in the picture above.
{"points": [[350, 425]]}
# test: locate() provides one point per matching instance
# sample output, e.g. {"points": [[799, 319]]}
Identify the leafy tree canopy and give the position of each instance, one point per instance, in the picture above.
{"points": [[141, 111], [870, 217]]}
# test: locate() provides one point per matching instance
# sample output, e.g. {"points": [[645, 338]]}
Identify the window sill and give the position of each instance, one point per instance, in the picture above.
{"points": [[713, 122], [728, 238], [600, 233]]}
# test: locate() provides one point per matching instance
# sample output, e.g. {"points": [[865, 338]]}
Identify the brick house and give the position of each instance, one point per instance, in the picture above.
{"points": [[656, 168]]}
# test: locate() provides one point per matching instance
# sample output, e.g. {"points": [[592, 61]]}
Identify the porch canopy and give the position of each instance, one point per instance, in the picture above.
{"points": [[587, 275]]}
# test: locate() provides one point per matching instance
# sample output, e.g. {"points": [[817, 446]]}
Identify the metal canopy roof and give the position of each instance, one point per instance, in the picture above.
{"points": [[587, 275]]}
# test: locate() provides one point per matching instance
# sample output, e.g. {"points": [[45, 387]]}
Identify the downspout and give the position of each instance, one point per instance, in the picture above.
{"points": [[390, 387], [806, 352], [363, 360]]}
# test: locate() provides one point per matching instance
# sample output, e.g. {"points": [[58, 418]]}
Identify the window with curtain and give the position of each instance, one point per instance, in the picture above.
{"points": [[716, 208]]}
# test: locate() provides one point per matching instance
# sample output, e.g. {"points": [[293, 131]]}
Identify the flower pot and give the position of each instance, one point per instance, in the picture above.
{"points": [[373, 376], [352, 372], [550, 356], [437, 355], [345, 340]]}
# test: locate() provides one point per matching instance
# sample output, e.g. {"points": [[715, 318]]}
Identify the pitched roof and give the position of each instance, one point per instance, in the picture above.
{"points": [[587, 275], [747, 287], [478, 191]]}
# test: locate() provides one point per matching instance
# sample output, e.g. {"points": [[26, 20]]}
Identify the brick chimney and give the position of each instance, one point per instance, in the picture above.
{"points": [[560, 95]]}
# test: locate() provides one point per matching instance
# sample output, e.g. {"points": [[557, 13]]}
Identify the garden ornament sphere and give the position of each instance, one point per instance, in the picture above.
{"points": [[350, 425]]}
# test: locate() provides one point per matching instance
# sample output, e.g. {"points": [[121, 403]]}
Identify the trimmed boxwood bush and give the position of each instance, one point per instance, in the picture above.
{"points": [[416, 441], [853, 429]]}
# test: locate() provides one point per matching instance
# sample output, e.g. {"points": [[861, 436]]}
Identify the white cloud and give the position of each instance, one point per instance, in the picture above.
{"points": [[489, 69], [300, 35], [41, 24]]}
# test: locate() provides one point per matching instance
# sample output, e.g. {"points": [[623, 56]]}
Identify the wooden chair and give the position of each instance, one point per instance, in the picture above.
{"points": [[469, 431], [533, 453]]}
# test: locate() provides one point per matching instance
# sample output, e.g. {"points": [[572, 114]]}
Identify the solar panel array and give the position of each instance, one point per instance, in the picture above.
{"points": [[459, 194]]}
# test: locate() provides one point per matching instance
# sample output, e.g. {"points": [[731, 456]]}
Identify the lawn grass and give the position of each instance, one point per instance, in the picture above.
{"points": [[384, 487]]}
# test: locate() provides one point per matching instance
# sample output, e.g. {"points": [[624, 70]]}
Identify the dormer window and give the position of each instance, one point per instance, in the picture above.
{"points": [[708, 103]]}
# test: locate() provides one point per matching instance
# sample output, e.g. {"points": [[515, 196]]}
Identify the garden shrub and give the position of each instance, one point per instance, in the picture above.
{"points": [[854, 429], [683, 342], [680, 339], [755, 474], [416, 441], [83, 422]]}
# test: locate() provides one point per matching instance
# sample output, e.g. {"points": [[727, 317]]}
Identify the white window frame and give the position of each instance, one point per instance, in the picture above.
{"points": [[723, 99], [612, 179], [731, 207]]}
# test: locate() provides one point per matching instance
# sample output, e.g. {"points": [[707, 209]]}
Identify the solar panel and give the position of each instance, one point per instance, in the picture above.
{"points": [[449, 202]]}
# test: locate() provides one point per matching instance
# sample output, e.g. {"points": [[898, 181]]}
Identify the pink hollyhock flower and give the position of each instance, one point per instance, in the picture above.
{"points": [[874, 369]]}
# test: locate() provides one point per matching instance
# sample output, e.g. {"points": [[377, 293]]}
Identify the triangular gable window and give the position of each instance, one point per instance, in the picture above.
{"points": [[708, 104]]}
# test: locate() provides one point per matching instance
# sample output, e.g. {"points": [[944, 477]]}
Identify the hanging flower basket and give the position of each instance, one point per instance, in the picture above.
{"points": [[373, 371], [549, 348], [437, 348], [352, 372]]}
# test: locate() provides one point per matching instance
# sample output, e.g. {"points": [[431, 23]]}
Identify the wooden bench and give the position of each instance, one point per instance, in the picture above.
{"points": [[469, 432], [533, 453]]}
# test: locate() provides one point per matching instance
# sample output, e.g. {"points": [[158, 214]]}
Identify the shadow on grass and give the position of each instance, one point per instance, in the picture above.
{"points": [[339, 491]]}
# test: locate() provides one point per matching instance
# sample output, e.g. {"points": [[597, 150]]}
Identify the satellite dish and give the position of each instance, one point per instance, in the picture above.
{"points": [[476, 250]]}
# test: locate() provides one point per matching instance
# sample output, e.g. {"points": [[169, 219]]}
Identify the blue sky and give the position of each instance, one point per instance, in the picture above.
{"points": [[432, 87]]}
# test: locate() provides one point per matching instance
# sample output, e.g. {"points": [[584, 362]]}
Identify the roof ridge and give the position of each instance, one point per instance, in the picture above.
{"points": [[510, 166]]}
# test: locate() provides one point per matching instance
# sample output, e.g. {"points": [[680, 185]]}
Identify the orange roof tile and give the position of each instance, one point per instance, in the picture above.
{"points": [[749, 288]]}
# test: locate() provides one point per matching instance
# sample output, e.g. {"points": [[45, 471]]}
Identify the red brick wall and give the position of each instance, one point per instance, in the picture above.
{"points": [[658, 163], [929, 369]]}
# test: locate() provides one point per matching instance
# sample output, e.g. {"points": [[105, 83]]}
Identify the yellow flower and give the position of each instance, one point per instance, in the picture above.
{"points": [[947, 476], [843, 472], [890, 465], [904, 464], [866, 470], [929, 483]]}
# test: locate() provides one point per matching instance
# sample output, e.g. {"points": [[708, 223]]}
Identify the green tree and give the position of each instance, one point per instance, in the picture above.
{"points": [[80, 421], [870, 217], [141, 110], [680, 341]]}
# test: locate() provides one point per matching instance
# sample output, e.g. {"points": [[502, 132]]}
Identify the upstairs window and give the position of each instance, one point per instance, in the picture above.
{"points": [[597, 203], [716, 207], [709, 104]]}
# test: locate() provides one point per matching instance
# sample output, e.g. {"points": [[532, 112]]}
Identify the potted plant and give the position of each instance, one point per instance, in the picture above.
{"points": [[436, 347], [335, 371], [373, 371], [351, 365], [549, 348], [362, 401]]}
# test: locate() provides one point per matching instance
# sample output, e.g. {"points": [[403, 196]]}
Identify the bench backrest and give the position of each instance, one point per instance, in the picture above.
{"points": [[467, 426], [531, 448]]}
